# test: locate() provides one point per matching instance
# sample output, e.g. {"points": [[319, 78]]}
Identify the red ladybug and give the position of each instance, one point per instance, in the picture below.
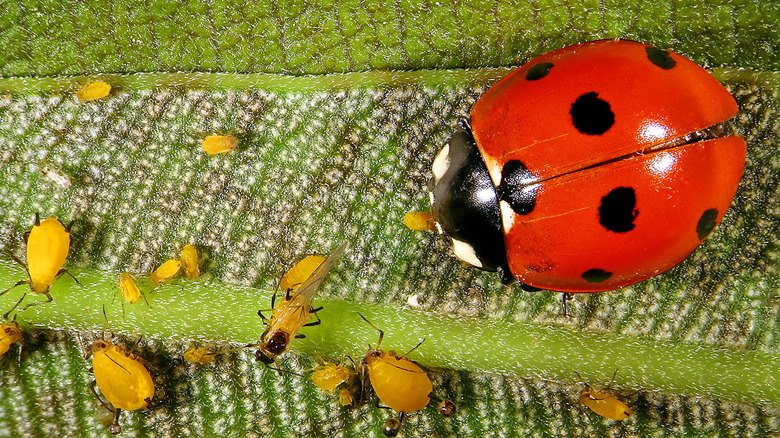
{"points": [[590, 168]]}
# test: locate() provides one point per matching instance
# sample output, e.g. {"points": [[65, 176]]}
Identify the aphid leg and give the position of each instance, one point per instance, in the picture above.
{"points": [[67, 228], [381, 333], [114, 428], [20, 263], [300, 335], [260, 314], [5, 315], [37, 220], [318, 321], [49, 299], [565, 298], [273, 300], [19, 283]]}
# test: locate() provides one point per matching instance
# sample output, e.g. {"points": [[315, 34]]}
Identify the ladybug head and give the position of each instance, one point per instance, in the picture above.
{"points": [[465, 205]]}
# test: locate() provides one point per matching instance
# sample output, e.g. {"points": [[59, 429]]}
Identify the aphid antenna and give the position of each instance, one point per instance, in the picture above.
{"points": [[613, 379], [65, 271], [381, 333], [105, 317], [413, 348], [587, 386]]}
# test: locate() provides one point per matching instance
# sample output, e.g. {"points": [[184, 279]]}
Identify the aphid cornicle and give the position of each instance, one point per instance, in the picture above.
{"points": [[47, 248], [604, 403], [295, 309], [94, 91], [166, 271], [398, 382], [123, 380]]}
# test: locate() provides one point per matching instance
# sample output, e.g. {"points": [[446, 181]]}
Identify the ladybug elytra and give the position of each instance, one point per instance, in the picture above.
{"points": [[590, 168]]}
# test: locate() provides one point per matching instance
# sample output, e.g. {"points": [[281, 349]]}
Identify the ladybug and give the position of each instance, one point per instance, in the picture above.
{"points": [[589, 168]]}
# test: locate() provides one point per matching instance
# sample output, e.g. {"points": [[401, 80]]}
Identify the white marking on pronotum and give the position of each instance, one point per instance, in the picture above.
{"points": [[465, 252], [507, 216], [441, 163]]}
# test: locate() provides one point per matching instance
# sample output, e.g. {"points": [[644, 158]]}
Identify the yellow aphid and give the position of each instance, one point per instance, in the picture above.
{"points": [[9, 334], [189, 262], [129, 289], [199, 355], [47, 248], [218, 144], [605, 404], [294, 278], [166, 271], [329, 376], [122, 379], [94, 91], [346, 396], [417, 220], [294, 311], [398, 382]]}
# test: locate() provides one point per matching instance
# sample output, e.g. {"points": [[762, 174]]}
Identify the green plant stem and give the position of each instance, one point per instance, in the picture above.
{"points": [[211, 310]]}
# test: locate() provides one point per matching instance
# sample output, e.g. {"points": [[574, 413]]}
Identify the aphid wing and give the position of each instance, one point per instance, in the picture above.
{"points": [[310, 286]]}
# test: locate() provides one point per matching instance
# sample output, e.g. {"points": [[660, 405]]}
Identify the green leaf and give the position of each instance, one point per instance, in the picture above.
{"points": [[332, 158]]}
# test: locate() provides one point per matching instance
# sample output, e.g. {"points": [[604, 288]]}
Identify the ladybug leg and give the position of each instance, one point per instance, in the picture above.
{"points": [[506, 276], [565, 298]]}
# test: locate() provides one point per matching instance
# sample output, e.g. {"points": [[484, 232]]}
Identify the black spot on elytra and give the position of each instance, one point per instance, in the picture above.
{"points": [[617, 210], [591, 115], [596, 275], [661, 58], [516, 187], [706, 223], [538, 71]]}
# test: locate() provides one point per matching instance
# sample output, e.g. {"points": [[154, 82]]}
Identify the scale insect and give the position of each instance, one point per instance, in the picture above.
{"points": [[294, 311], [400, 384], [48, 245]]}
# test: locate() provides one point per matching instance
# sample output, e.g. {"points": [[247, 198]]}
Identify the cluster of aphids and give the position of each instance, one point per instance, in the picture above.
{"points": [[125, 382]]}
